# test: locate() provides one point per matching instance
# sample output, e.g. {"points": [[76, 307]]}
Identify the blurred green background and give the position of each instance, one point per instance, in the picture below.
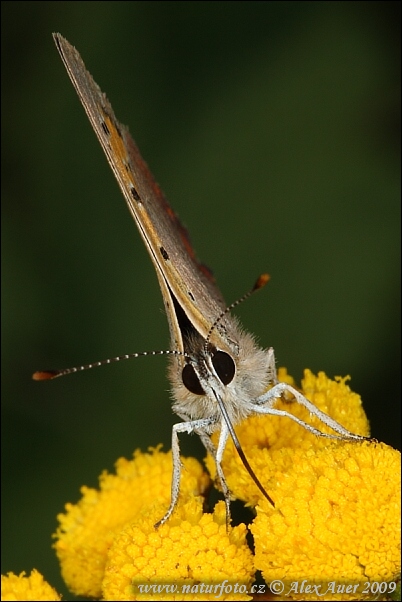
{"points": [[273, 128]]}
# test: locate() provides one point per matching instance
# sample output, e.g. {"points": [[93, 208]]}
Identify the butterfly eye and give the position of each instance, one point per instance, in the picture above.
{"points": [[224, 366], [191, 381]]}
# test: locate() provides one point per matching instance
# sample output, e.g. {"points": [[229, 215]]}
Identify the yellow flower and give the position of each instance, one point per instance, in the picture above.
{"points": [[270, 442], [20, 587], [88, 528], [187, 558], [337, 519]]}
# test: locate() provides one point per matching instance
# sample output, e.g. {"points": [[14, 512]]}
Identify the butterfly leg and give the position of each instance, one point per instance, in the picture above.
{"points": [[264, 405], [217, 455], [273, 378], [190, 426], [223, 437]]}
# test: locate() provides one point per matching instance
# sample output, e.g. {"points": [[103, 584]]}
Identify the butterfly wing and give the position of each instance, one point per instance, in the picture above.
{"points": [[183, 280]]}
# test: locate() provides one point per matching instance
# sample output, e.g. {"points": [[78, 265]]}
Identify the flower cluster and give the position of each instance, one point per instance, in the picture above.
{"points": [[21, 587], [88, 529], [336, 514]]}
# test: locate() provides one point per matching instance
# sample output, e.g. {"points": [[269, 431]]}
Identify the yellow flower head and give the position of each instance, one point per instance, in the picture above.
{"points": [[336, 515], [337, 518], [20, 587], [187, 558], [88, 528], [269, 442]]}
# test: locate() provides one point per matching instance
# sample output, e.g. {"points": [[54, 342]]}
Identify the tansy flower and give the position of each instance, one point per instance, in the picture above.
{"points": [[20, 587], [336, 517], [88, 528], [336, 520], [269, 442], [187, 558]]}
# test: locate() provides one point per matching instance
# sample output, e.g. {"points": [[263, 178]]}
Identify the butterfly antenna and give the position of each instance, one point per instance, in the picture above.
{"points": [[51, 374], [260, 283]]}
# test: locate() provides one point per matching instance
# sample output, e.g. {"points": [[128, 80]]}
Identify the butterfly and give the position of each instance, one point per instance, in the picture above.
{"points": [[218, 374]]}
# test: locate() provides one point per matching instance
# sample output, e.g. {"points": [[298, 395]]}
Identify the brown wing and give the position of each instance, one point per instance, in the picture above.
{"points": [[165, 238]]}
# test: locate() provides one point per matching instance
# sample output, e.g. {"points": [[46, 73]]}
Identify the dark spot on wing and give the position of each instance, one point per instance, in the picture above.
{"points": [[105, 128], [135, 194], [164, 253]]}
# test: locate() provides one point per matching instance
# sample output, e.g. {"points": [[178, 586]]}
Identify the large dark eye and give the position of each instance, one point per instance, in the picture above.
{"points": [[224, 366], [190, 380]]}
